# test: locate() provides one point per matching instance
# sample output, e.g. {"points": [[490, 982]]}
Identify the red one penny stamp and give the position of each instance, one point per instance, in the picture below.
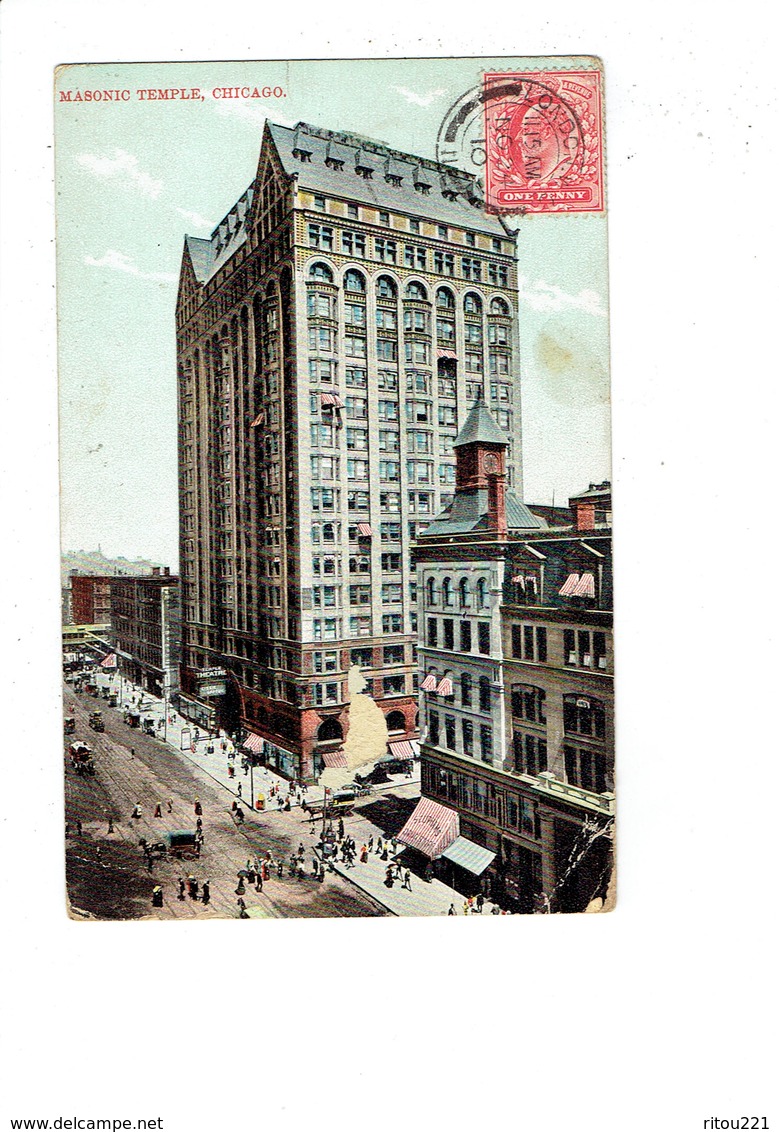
{"points": [[543, 142]]}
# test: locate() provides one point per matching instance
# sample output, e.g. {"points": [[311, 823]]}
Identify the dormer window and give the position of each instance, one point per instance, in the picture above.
{"points": [[421, 187], [394, 179], [303, 155], [334, 163], [449, 194], [365, 172]]}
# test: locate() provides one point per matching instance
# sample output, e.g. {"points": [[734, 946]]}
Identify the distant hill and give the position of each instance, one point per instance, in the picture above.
{"points": [[95, 562]]}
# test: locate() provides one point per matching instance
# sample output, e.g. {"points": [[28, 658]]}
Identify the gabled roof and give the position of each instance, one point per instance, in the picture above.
{"points": [[304, 151], [201, 255], [467, 514], [480, 427]]}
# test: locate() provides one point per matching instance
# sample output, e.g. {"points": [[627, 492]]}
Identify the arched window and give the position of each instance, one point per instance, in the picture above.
{"points": [[444, 299], [416, 291], [465, 593], [499, 306], [484, 694], [385, 288], [329, 730], [396, 721], [270, 290], [430, 588], [354, 282], [320, 271], [472, 303], [446, 589], [481, 593], [466, 689]]}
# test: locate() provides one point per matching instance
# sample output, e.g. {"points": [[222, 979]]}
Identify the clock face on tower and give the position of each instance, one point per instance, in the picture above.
{"points": [[491, 464]]}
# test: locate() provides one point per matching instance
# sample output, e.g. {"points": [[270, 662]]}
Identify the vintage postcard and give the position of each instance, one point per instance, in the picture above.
{"points": [[336, 488]]}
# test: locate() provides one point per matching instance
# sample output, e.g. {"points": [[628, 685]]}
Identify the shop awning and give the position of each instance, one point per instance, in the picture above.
{"points": [[404, 749], [109, 661], [431, 828], [258, 420], [568, 588], [445, 688], [585, 586], [331, 399], [336, 760], [429, 683], [365, 529], [253, 743], [447, 353], [468, 855]]}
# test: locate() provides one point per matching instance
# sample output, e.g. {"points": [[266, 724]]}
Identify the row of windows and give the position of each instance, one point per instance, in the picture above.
{"points": [[386, 250], [483, 798], [330, 628], [355, 283], [465, 642], [414, 322], [388, 532], [443, 232], [417, 471]]}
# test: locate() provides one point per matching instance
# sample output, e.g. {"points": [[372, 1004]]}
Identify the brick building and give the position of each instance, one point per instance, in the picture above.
{"points": [[332, 334], [516, 700], [90, 598], [145, 613]]}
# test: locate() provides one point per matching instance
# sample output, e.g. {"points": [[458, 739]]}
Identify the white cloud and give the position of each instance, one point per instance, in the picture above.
{"points": [[540, 296], [118, 261], [424, 100], [123, 165], [253, 112], [195, 219]]}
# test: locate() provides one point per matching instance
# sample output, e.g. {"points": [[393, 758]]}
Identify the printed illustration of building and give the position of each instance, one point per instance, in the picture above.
{"points": [[332, 334], [516, 699], [146, 619]]}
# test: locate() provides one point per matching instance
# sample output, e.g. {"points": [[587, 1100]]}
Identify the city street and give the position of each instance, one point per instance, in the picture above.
{"points": [[107, 873]]}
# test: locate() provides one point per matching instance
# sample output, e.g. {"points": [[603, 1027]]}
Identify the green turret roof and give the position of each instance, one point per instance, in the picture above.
{"points": [[480, 428]]}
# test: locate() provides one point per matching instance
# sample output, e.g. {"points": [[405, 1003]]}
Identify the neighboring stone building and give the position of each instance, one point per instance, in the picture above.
{"points": [[332, 334], [145, 612], [516, 703]]}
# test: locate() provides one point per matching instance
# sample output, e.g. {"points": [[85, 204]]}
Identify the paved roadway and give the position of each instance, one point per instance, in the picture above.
{"points": [[107, 875]]}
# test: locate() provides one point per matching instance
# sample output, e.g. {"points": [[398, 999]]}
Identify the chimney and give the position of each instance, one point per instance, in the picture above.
{"points": [[155, 571], [496, 504], [166, 571], [585, 516]]}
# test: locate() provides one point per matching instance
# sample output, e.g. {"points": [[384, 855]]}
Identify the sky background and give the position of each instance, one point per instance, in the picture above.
{"points": [[134, 177]]}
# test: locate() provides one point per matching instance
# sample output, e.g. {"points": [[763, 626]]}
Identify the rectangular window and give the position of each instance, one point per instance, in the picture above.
{"points": [[319, 202], [444, 263], [390, 532], [467, 728], [363, 658], [448, 625], [386, 350], [386, 250], [388, 410], [352, 211], [320, 236], [356, 407], [353, 243], [393, 654], [391, 593], [485, 734], [449, 731], [465, 636], [384, 217], [392, 623], [433, 724], [432, 632], [394, 685], [386, 320], [483, 629], [418, 353], [415, 257], [357, 439]]}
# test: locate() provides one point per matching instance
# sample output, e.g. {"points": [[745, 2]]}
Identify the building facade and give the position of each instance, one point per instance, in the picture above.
{"points": [[90, 599], [332, 334], [146, 619], [516, 701]]}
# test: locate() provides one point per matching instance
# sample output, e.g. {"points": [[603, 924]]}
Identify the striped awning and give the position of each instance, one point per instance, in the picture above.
{"points": [[446, 687], [331, 399], [253, 743], [431, 828], [568, 588], [404, 749], [519, 579], [259, 419], [442, 353], [109, 661], [365, 529], [429, 683], [468, 855], [335, 759], [585, 586]]}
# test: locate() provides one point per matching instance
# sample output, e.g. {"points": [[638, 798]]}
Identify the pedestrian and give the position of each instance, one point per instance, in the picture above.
{"points": [[480, 902], [198, 808], [156, 896], [240, 790], [340, 828], [158, 810], [241, 889], [379, 845], [451, 911], [407, 880], [149, 862], [199, 824], [250, 873], [389, 879], [182, 887], [280, 869], [239, 815], [132, 752], [206, 892], [110, 824], [242, 906], [193, 887], [370, 844], [137, 811], [364, 855], [394, 845], [170, 807], [469, 902], [79, 827], [465, 907], [258, 887]]}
